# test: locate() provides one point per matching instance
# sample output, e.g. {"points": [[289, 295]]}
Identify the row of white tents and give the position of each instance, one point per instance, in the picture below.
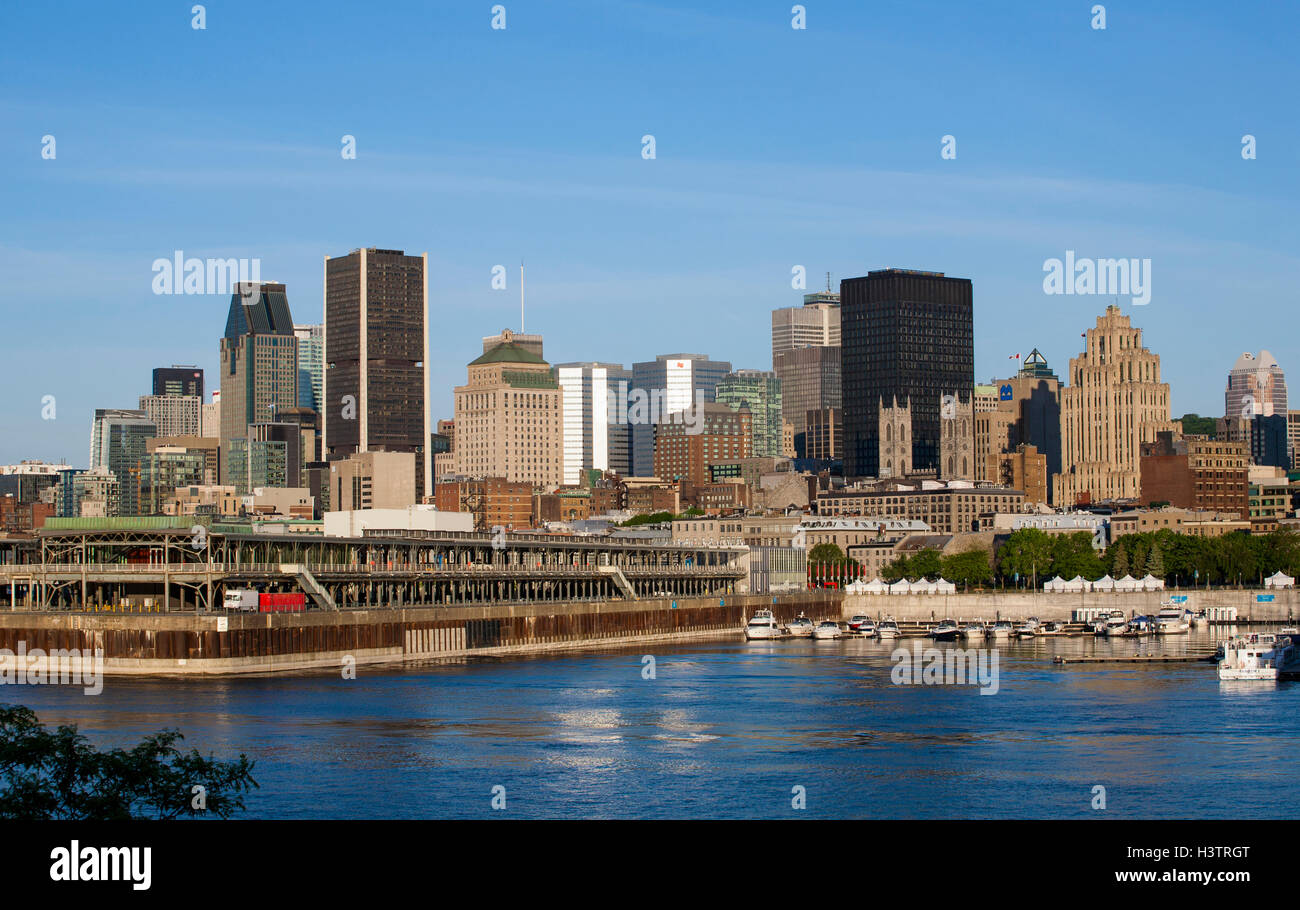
{"points": [[902, 586], [1057, 585], [1077, 584]]}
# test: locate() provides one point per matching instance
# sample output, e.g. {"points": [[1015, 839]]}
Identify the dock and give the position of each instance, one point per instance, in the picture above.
{"points": [[1139, 659]]}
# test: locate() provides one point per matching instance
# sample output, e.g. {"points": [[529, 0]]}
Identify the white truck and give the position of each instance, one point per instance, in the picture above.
{"points": [[242, 599]]}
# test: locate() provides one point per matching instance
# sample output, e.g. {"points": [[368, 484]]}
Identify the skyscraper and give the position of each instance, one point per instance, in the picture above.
{"points": [[806, 356], [508, 418], [178, 379], [376, 394], [1023, 410], [1115, 403], [174, 415], [815, 324], [671, 383], [118, 444], [908, 363], [1256, 385], [760, 391], [259, 363], [593, 436], [311, 365]]}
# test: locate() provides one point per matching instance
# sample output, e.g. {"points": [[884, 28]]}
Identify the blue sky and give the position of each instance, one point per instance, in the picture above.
{"points": [[775, 147]]}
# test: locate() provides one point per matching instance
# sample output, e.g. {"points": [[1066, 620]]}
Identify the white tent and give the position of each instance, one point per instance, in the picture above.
{"points": [[923, 586], [1105, 583], [876, 586], [900, 587], [1279, 580], [1077, 584], [1151, 583], [944, 586], [1055, 586], [1127, 583]]}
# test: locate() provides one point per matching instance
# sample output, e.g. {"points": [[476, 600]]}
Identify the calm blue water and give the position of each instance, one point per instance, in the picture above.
{"points": [[726, 730]]}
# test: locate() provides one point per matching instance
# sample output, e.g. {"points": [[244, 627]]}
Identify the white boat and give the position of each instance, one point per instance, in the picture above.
{"points": [[1258, 656], [827, 629], [1139, 626], [1001, 629], [974, 631], [763, 626], [946, 630], [1289, 630], [1028, 628], [856, 622], [1201, 621], [1051, 628], [866, 628], [800, 627], [1172, 621], [887, 628]]}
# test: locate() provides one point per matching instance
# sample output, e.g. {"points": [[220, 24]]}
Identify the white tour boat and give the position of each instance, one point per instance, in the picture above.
{"points": [[1258, 656]]}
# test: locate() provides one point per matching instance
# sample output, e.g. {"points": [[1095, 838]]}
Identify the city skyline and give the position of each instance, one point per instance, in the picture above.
{"points": [[741, 190]]}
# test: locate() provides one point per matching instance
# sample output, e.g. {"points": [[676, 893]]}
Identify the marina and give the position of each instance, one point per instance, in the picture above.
{"points": [[726, 729]]}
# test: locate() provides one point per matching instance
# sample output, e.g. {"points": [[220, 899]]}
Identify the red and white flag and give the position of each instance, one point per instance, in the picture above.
{"points": [[1013, 357]]}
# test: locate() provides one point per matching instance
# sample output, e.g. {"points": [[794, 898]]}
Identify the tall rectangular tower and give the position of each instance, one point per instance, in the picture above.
{"points": [[671, 383], [590, 403], [1115, 403], [376, 394], [908, 341], [259, 362]]}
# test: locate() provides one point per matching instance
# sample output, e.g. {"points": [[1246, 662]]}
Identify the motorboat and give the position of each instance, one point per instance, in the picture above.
{"points": [[1172, 621], [1051, 628], [1138, 626], [856, 622], [866, 628], [1028, 628], [946, 630], [1258, 656], [974, 631], [887, 628], [800, 627], [827, 629], [762, 626], [1200, 620], [1001, 629], [1113, 624]]}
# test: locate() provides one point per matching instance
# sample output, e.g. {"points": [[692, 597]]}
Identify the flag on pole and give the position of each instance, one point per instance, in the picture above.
{"points": [[1013, 357]]}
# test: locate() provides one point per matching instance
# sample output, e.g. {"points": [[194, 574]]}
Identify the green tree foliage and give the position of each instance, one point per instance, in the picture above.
{"points": [[968, 568], [1202, 560], [1196, 425], [1027, 551], [921, 564], [827, 553], [58, 774]]}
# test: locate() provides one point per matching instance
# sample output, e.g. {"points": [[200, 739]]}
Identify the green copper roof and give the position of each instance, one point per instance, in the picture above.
{"points": [[508, 352]]}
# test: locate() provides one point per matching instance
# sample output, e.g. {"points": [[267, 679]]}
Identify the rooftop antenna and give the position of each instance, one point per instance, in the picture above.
{"points": [[521, 297], [828, 282]]}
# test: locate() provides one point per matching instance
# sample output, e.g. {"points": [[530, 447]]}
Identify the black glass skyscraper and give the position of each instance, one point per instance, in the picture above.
{"points": [[906, 336]]}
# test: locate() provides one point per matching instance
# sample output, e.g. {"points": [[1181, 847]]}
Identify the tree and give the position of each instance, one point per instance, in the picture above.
{"points": [[826, 553], [59, 775], [1027, 551], [967, 568], [1156, 561], [1072, 554], [924, 563], [1120, 566]]}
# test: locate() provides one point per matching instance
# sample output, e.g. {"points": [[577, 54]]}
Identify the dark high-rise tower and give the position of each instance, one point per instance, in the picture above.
{"points": [[377, 352], [907, 340], [178, 380]]}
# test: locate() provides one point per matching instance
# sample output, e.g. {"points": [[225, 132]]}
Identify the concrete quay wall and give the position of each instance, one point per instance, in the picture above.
{"points": [[220, 644], [1013, 605]]}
